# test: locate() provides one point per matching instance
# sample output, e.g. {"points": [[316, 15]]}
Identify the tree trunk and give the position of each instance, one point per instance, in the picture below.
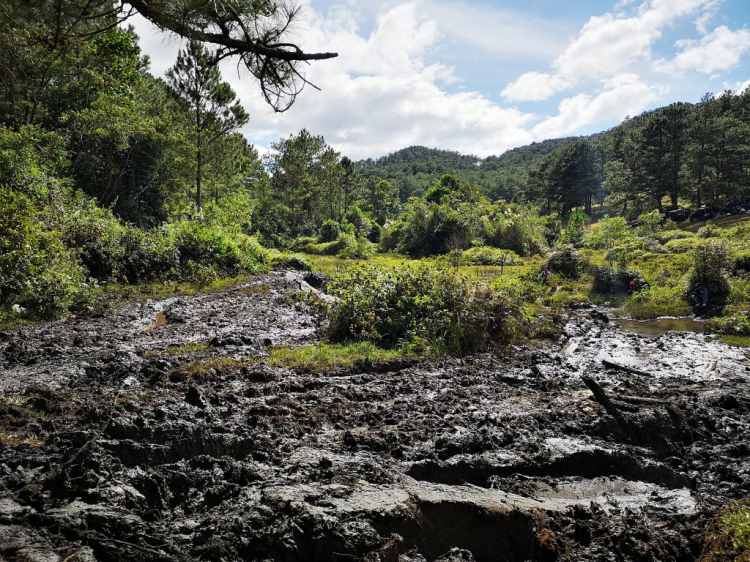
{"points": [[198, 172]]}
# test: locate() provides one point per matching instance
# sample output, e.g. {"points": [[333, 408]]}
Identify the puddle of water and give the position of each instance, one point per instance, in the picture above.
{"points": [[160, 321], [660, 326]]}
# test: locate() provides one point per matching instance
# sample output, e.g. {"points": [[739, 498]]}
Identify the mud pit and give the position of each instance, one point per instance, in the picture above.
{"points": [[114, 449]]}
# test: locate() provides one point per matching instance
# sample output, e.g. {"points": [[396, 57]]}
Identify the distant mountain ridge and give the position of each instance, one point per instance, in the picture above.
{"points": [[415, 168]]}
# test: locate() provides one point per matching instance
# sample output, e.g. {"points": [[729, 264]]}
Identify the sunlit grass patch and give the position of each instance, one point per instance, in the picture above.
{"points": [[322, 357], [16, 439], [729, 537], [741, 341]]}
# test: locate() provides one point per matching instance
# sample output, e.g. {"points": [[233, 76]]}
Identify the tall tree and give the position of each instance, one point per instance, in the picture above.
{"points": [[295, 171], [196, 79], [664, 138], [259, 32]]}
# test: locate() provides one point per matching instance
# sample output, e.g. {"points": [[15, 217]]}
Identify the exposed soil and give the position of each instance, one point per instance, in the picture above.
{"points": [[124, 438]]}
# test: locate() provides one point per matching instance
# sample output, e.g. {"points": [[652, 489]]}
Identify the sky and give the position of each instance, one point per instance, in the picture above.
{"points": [[481, 77]]}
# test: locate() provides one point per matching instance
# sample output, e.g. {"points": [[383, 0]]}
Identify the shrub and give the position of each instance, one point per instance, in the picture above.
{"points": [[329, 231], [484, 255], [741, 262], [613, 281], [301, 243], [37, 271], [147, 255], [711, 259], [734, 322], [353, 248], [667, 235], [375, 233], [652, 302], [708, 230], [419, 305], [97, 236], [681, 245], [566, 262], [278, 260]]}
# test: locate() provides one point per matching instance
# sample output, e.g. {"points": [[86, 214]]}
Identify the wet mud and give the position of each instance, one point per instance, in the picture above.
{"points": [[132, 437]]}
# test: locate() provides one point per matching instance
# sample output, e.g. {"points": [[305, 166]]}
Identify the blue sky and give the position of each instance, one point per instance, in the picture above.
{"points": [[481, 77]]}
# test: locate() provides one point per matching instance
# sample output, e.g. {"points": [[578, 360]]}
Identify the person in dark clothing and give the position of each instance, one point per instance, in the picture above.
{"points": [[700, 295]]}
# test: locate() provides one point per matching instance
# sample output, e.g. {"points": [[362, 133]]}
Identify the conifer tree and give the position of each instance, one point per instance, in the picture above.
{"points": [[196, 79]]}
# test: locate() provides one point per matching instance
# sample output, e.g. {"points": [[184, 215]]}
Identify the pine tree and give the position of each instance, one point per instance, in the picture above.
{"points": [[196, 79]]}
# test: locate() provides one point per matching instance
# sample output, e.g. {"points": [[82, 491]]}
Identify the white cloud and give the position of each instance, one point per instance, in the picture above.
{"points": [[505, 35], [160, 47], [606, 46], [622, 95], [534, 86], [381, 94], [737, 87], [722, 49]]}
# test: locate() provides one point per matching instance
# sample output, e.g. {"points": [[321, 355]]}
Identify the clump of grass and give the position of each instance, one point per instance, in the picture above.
{"points": [[730, 537], [14, 439], [187, 349], [15, 400], [741, 341], [322, 357]]}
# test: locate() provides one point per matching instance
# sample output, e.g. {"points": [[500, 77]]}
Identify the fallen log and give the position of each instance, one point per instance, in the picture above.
{"points": [[601, 397]]}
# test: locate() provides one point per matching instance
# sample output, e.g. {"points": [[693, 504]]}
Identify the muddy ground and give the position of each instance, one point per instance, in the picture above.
{"points": [[121, 439]]}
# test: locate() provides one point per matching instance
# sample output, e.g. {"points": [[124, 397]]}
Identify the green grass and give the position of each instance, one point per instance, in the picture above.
{"points": [[722, 222], [741, 341], [331, 265], [323, 357], [187, 349], [736, 523]]}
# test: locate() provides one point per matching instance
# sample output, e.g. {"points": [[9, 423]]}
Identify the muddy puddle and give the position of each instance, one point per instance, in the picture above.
{"points": [[161, 320], [179, 443], [660, 326]]}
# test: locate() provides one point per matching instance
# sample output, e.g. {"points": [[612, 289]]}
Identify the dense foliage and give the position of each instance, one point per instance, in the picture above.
{"points": [[420, 306]]}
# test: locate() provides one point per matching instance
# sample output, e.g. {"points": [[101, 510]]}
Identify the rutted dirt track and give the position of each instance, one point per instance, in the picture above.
{"points": [[112, 448]]}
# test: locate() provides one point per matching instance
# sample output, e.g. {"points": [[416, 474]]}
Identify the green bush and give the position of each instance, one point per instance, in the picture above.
{"points": [[353, 248], [147, 255], [37, 271], [566, 262], [734, 322], [653, 302], [613, 281], [419, 305], [97, 235], [301, 243], [279, 260], [484, 255], [711, 260], [708, 230], [667, 235], [329, 231], [741, 262], [681, 245]]}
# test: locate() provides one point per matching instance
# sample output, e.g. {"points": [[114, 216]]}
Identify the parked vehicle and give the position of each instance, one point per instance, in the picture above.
{"points": [[677, 214], [703, 213], [734, 207]]}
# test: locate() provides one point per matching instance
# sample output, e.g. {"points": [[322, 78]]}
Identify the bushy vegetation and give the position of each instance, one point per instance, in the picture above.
{"points": [[453, 216], [420, 306]]}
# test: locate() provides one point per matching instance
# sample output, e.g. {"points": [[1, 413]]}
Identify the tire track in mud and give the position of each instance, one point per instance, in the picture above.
{"points": [[122, 453]]}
